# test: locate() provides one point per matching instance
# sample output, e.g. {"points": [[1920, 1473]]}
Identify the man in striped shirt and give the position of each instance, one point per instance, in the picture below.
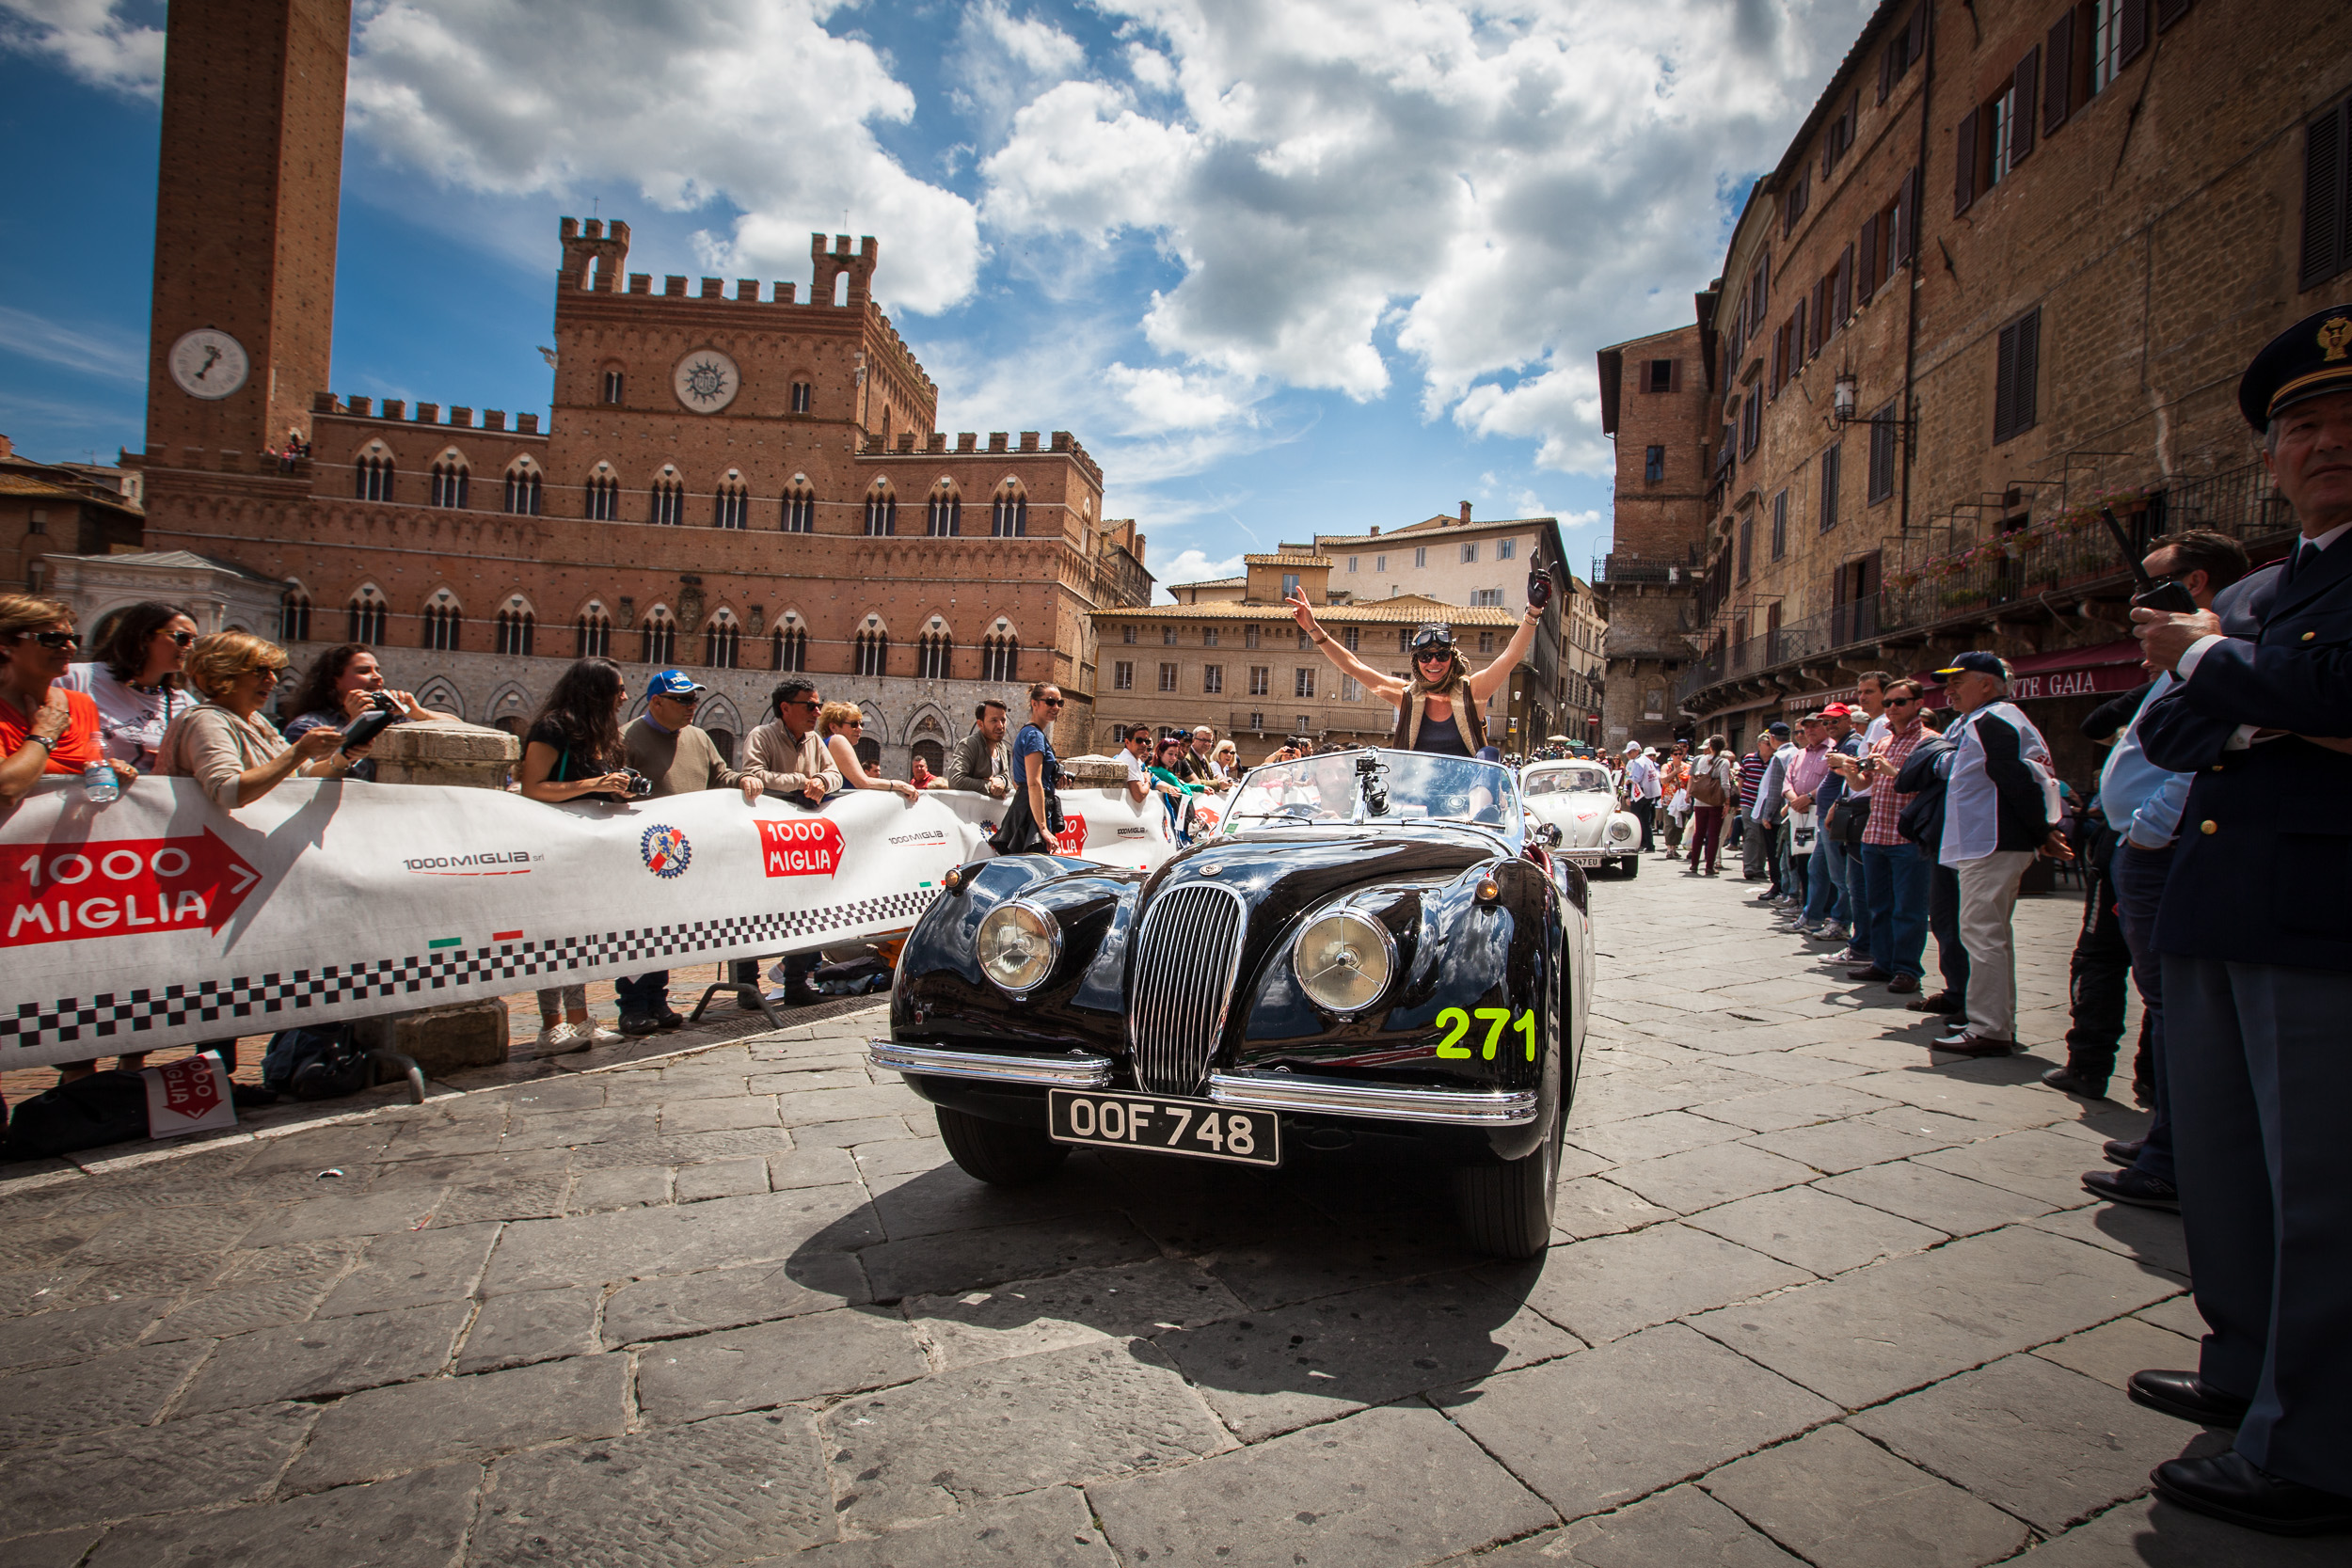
{"points": [[1894, 872], [1755, 843]]}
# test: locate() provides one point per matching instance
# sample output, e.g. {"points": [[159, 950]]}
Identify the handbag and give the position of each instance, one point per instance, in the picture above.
{"points": [[1801, 828], [1706, 789], [1846, 819]]}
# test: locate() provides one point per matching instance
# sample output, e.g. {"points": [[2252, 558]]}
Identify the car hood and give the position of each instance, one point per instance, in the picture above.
{"points": [[1581, 818]]}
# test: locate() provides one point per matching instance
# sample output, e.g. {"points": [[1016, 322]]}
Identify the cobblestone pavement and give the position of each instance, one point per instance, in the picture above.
{"points": [[1816, 1296]]}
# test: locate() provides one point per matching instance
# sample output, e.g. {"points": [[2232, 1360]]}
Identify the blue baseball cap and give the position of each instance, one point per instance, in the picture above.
{"points": [[1980, 661], [675, 683]]}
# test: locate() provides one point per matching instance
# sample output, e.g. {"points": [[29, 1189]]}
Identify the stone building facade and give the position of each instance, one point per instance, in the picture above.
{"points": [[1228, 655], [1656, 398], [736, 479], [2008, 273]]}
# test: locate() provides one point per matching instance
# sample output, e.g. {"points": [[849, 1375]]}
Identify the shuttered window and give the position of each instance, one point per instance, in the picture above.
{"points": [[1964, 140], [2024, 86], [2326, 195], [1747, 546], [2058, 88], [1881, 454], [1902, 230], [1832, 462], [1843, 306], [1867, 277], [2016, 369], [2170, 11]]}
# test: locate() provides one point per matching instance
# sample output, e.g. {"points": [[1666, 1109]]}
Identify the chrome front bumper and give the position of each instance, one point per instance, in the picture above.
{"points": [[1585, 857], [1253, 1091], [1055, 1072]]}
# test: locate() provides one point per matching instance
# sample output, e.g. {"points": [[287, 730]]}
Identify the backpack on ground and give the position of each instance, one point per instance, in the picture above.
{"points": [[315, 1064], [90, 1112]]}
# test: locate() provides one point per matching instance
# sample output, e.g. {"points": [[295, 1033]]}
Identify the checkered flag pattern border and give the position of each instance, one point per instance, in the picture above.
{"points": [[284, 1000]]}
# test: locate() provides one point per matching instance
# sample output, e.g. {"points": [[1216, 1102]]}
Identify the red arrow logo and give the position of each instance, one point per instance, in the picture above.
{"points": [[121, 887]]}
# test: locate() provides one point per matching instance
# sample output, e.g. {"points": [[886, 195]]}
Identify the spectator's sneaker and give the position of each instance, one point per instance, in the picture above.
{"points": [[592, 1033], [560, 1039], [1831, 931], [639, 1024], [1852, 956], [1966, 1042]]}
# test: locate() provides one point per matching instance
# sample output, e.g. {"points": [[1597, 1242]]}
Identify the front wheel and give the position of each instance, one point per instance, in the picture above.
{"points": [[1631, 866], [998, 1153], [1506, 1208]]}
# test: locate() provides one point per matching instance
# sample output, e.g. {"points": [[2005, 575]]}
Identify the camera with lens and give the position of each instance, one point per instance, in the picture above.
{"points": [[381, 702], [638, 785]]}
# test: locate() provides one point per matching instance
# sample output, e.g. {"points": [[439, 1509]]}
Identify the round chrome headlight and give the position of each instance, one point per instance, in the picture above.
{"points": [[1018, 944], [1344, 960], [1621, 832]]}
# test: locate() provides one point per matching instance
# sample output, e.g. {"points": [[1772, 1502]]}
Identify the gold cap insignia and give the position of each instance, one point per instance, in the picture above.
{"points": [[2335, 336]]}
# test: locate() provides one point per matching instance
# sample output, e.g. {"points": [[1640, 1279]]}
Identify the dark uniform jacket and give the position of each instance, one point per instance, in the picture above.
{"points": [[2265, 845]]}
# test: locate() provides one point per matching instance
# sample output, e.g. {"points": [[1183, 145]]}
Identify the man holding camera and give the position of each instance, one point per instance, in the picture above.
{"points": [[2257, 956], [667, 747]]}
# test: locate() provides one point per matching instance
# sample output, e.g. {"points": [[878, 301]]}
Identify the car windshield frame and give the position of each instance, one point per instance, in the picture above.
{"points": [[1407, 777], [1586, 771]]}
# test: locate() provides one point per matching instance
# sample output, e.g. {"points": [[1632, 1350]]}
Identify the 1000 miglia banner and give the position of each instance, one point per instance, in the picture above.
{"points": [[158, 919]]}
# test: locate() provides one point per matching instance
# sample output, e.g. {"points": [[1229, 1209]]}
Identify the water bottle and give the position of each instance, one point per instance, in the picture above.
{"points": [[98, 784]]}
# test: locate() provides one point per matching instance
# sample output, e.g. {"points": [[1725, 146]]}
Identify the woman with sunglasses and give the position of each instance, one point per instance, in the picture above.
{"points": [[1438, 706], [234, 755], [842, 725], [135, 678], [1028, 826], [45, 726]]}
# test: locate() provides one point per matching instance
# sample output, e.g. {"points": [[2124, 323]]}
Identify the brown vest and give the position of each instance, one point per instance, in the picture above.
{"points": [[1413, 706]]}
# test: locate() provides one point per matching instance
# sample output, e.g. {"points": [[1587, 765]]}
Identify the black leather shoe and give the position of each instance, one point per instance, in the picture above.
{"points": [[2068, 1080], [1869, 972], [669, 1018], [2231, 1486], [1903, 985], [1967, 1044], [2184, 1397], [2134, 1187], [638, 1024], [2122, 1151], [1941, 1001], [249, 1096]]}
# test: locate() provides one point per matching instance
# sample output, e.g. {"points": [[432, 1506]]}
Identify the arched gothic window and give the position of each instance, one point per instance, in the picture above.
{"points": [[515, 628], [944, 517], [873, 653], [1000, 657], [522, 490], [372, 478], [669, 502], [604, 496], [591, 634], [720, 639], [799, 510], [882, 510], [732, 506], [934, 657], [367, 617], [659, 637], [1008, 517], [294, 617], [787, 647], [449, 483], [441, 623]]}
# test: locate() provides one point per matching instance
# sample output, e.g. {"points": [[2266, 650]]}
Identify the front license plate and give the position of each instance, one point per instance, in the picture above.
{"points": [[1201, 1128]]}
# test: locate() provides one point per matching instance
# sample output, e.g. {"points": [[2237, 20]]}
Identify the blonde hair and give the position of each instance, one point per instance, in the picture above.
{"points": [[26, 612], [833, 715], [218, 660]]}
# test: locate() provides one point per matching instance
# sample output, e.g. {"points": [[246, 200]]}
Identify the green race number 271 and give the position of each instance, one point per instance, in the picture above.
{"points": [[1456, 1024]]}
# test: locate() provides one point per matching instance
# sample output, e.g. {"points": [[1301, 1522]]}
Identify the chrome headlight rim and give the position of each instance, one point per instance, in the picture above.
{"points": [[1048, 931], [1384, 943]]}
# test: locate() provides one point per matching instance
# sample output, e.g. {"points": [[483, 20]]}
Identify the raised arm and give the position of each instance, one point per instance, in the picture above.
{"points": [[1487, 682], [1387, 687]]}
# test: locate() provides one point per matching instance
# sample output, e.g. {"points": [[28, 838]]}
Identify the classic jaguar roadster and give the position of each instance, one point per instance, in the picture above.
{"points": [[1372, 946], [1578, 800]]}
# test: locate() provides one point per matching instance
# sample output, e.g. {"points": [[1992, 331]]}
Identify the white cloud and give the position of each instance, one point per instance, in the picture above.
{"points": [[93, 349], [1505, 191], [89, 40], [749, 104], [1192, 565], [1002, 61]]}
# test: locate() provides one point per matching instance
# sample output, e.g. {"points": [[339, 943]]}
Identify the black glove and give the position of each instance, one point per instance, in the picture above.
{"points": [[1539, 588]]}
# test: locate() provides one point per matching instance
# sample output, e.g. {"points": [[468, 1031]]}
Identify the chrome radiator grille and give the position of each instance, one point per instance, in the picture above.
{"points": [[1180, 984]]}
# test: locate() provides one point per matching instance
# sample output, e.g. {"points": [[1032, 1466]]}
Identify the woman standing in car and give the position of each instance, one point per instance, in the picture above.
{"points": [[1439, 706]]}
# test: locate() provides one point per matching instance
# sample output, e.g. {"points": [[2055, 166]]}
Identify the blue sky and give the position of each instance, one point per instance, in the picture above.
{"points": [[1282, 268]]}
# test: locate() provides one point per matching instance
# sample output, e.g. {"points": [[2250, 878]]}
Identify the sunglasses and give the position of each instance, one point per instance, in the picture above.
{"points": [[185, 639], [1433, 655], [1051, 702], [1902, 702], [850, 724], [52, 639]]}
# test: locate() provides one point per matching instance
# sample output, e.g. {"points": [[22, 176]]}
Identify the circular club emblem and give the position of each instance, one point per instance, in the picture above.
{"points": [[706, 381], [665, 850], [208, 363]]}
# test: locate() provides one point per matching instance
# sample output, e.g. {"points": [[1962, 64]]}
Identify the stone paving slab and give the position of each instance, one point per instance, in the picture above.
{"points": [[386, 1431], [1679, 1528], [1816, 1231], [638, 1242], [1052, 1528], [1840, 1501], [801, 1358], [418, 1521], [336, 1356], [671, 1307], [201, 1462], [1610, 1286], [1607, 1425], [122, 1388], [1083, 1307], [1323, 1495]]}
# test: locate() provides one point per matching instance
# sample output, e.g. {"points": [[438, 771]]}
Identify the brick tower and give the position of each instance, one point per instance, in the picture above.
{"points": [[245, 223]]}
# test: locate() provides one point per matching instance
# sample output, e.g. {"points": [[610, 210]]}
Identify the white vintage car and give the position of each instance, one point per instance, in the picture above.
{"points": [[1578, 799]]}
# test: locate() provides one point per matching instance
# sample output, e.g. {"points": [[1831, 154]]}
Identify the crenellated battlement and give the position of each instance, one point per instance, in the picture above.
{"points": [[831, 264], [398, 411], [596, 246]]}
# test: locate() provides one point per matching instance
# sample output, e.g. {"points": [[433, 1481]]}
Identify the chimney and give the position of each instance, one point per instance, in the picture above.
{"points": [[1466, 512]]}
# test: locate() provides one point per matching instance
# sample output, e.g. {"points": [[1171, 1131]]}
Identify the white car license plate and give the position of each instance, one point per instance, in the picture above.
{"points": [[1199, 1127]]}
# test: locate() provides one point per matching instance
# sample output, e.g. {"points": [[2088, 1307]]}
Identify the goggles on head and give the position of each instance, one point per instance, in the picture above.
{"points": [[1430, 640]]}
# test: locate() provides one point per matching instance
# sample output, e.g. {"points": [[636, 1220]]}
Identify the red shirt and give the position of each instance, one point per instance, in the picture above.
{"points": [[1886, 807], [75, 749]]}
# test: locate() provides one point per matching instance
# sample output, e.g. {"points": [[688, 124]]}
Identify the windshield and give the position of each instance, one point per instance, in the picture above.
{"points": [[1403, 786], [1561, 781]]}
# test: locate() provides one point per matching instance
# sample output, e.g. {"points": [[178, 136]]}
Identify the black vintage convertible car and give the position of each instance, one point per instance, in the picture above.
{"points": [[1374, 942]]}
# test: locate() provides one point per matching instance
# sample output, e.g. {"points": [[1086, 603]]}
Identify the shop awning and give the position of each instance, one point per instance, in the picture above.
{"points": [[2108, 668]]}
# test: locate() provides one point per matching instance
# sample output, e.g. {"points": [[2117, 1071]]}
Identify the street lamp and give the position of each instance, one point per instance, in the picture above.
{"points": [[1844, 396]]}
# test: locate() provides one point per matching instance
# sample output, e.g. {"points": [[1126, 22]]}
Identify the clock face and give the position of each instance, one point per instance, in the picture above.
{"points": [[208, 363], [706, 381]]}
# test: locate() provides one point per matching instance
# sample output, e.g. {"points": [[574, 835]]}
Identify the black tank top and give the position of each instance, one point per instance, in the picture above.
{"points": [[1439, 737]]}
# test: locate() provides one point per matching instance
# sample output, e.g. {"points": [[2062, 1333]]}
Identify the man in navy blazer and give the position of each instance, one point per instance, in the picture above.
{"points": [[2257, 953]]}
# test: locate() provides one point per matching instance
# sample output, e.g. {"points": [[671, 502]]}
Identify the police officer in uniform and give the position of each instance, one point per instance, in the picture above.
{"points": [[2257, 954]]}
